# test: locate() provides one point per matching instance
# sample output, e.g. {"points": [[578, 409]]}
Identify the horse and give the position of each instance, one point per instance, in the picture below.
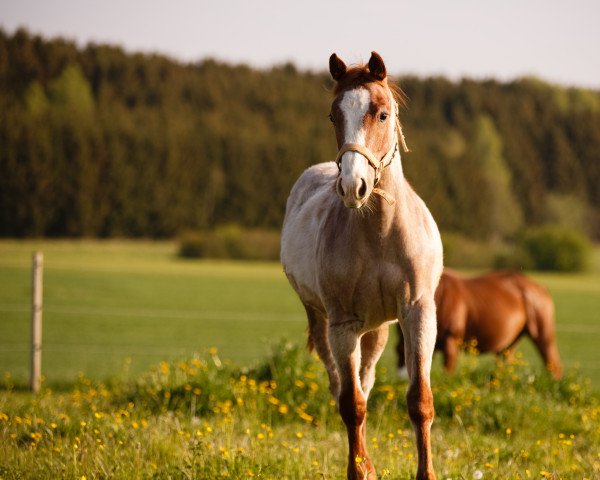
{"points": [[361, 250], [493, 312]]}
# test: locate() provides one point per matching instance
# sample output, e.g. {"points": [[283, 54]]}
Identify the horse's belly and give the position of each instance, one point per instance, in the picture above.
{"points": [[497, 333]]}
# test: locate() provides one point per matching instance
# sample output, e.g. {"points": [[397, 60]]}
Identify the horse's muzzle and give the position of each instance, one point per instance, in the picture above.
{"points": [[353, 191]]}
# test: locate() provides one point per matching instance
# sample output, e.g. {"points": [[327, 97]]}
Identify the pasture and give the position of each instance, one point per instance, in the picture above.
{"points": [[158, 367], [114, 309]]}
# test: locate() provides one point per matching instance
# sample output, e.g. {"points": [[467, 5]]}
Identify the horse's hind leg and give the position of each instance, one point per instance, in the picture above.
{"points": [[318, 337], [401, 355], [450, 353], [419, 327]]}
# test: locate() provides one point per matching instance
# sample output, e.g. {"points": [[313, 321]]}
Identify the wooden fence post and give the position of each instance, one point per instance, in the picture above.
{"points": [[36, 320]]}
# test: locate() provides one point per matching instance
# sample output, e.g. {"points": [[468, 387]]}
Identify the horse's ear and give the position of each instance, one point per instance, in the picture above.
{"points": [[376, 66], [337, 68]]}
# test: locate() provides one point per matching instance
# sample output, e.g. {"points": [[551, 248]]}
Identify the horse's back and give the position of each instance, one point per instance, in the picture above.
{"points": [[519, 288]]}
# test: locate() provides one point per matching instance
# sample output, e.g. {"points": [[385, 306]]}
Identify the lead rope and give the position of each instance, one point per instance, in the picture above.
{"points": [[386, 196], [401, 134], [382, 193]]}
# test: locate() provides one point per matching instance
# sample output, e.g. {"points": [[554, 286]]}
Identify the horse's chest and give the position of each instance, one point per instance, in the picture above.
{"points": [[368, 290]]}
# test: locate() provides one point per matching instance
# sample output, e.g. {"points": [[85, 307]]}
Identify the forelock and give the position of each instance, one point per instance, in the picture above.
{"points": [[358, 76]]}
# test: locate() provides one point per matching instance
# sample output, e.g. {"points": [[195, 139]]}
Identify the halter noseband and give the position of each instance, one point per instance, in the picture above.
{"points": [[378, 165]]}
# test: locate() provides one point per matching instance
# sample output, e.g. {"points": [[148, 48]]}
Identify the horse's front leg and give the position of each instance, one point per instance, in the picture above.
{"points": [[372, 345], [419, 328], [345, 346]]}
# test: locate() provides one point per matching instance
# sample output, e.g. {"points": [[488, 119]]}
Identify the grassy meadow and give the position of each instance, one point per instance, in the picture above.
{"points": [[116, 308], [156, 367]]}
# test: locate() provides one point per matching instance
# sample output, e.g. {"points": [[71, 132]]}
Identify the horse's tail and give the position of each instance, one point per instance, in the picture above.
{"points": [[531, 310]]}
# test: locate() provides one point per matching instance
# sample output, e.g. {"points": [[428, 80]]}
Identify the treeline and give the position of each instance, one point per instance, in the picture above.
{"points": [[97, 142]]}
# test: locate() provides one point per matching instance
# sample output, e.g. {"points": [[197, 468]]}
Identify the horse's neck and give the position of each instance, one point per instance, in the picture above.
{"points": [[389, 211]]}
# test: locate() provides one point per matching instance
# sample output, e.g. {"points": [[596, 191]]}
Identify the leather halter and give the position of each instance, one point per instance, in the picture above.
{"points": [[378, 165]]}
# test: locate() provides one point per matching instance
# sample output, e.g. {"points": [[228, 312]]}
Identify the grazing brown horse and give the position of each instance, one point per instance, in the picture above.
{"points": [[361, 250], [494, 310]]}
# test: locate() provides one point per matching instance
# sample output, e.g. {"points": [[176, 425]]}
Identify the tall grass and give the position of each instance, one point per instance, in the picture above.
{"points": [[208, 418]]}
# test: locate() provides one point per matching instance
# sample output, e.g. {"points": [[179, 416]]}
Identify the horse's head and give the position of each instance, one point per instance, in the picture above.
{"points": [[364, 114]]}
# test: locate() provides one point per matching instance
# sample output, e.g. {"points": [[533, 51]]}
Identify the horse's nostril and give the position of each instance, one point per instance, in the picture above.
{"points": [[362, 191], [339, 188]]}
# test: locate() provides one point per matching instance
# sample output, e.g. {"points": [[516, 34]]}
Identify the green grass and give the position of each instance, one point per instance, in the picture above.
{"points": [[116, 305], [577, 302], [116, 308], [210, 419], [157, 401]]}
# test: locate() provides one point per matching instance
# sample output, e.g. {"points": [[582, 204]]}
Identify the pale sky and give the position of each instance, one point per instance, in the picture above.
{"points": [[556, 40]]}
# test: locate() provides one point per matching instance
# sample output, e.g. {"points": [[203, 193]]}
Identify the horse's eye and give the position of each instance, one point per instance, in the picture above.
{"points": [[383, 116], [331, 118]]}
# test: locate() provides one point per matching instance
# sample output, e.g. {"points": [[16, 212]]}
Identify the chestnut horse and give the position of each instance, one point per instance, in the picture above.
{"points": [[494, 310], [361, 250]]}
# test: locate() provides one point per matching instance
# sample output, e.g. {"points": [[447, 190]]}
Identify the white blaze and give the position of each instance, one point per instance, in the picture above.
{"points": [[354, 105]]}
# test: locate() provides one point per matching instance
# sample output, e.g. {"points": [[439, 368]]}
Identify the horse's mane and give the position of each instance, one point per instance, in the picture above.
{"points": [[359, 75]]}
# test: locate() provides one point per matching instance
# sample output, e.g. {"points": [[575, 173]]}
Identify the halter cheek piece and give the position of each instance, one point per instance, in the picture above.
{"points": [[378, 165]]}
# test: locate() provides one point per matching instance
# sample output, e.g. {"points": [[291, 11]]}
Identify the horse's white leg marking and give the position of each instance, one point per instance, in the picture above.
{"points": [[420, 328]]}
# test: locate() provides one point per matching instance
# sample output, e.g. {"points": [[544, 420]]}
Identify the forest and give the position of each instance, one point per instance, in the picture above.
{"points": [[98, 142]]}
